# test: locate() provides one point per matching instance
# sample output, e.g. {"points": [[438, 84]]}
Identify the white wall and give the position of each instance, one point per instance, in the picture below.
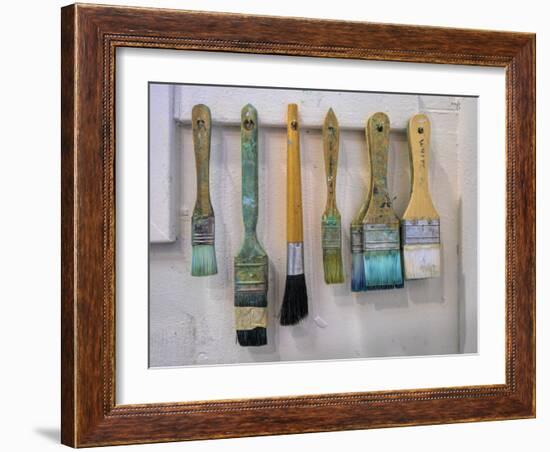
{"points": [[30, 227], [191, 319]]}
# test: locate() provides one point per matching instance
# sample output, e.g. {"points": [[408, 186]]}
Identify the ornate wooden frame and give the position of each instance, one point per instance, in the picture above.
{"points": [[90, 36]]}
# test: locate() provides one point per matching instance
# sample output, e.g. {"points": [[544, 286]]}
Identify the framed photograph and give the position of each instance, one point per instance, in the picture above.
{"points": [[281, 225]]}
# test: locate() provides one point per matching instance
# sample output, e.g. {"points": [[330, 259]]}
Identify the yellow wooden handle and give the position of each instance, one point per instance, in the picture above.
{"points": [[331, 143], [294, 227], [420, 204]]}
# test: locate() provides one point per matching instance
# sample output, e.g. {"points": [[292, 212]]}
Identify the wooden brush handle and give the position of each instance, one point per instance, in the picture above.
{"points": [[378, 136], [358, 218], [202, 127], [249, 159], [420, 204], [294, 227], [331, 142]]}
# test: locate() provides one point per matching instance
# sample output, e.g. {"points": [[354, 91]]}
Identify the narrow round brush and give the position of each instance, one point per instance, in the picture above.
{"points": [[420, 222], [251, 264], [381, 244], [294, 307], [202, 222], [331, 222]]}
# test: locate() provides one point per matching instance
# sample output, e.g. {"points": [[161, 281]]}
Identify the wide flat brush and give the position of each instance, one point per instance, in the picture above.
{"points": [[294, 307], [331, 222], [251, 264], [381, 245], [420, 222], [202, 223]]}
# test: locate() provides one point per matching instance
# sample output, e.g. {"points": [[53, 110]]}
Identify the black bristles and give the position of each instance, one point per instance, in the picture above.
{"points": [[252, 338], [294, 306]]}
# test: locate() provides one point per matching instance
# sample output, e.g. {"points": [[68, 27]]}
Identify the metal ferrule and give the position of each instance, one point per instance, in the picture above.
{"points": [[380, 237], [332, 236], [244, 287], [250, 277], [420, 232], [202, 231], [295, 259], [356, 234]]}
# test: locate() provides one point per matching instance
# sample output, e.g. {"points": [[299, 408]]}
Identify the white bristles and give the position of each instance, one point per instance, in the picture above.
{"points": [[421, 261]]}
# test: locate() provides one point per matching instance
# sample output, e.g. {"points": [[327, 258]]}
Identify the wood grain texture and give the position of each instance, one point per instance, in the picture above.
{"points": [[294, 221], [90, 36], [380, 206], [202, 131], [331, 147], [420, 204]]}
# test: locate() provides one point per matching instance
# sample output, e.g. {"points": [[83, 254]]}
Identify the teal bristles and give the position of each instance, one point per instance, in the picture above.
{"points": [[358, 281], [204, 260], [383, 269]]}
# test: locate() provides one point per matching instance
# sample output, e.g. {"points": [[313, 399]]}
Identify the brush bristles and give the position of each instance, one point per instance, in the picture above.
{"points": [[358, 281], [421, 261], [383, 269], [332, 264], [294, 306], [204, 260], [252, 338]]}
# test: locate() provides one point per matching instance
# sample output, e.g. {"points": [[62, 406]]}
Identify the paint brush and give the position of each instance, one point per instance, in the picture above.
{"points": [[358, 281], [294, 307], [251, 265], [331, 222], [381, 245], [202, 223], [420, 222]]}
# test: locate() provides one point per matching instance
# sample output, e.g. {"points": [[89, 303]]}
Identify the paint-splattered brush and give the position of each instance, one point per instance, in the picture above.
{"points": [[331, 222], [251, 265], [294, 306], [420, 222], [358, 281], [202, 223], [381, 245]]}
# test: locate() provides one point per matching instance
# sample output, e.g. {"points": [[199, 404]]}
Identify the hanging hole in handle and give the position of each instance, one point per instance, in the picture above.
{"points": [[248, 124], [421, 130], [200, 123], [379, 127], [294, 124]]}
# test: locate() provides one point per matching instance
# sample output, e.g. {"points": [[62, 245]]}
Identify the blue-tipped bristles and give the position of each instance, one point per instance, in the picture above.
{"points": [[358, 281], [202, 238], [204, 260], [382, 256], [383, 269]]}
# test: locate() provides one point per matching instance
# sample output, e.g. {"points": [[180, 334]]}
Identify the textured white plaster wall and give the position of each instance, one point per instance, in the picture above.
{"points": [[191, 319]]}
